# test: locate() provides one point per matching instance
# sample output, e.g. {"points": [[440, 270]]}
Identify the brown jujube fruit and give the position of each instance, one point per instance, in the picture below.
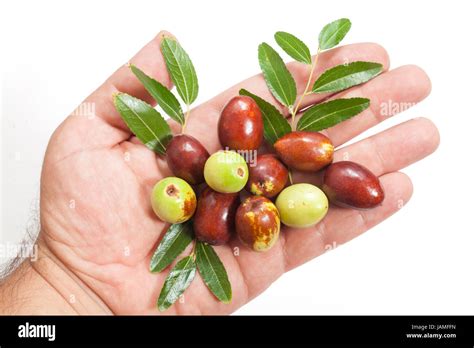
{"points": [[240, 125], [257, 223], [214, 220], [268, 177], [306, 151], [186, 157], [349, 184]]}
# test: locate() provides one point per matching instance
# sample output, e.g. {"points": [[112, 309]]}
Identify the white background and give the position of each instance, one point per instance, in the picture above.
{"points": [[418, 262]]}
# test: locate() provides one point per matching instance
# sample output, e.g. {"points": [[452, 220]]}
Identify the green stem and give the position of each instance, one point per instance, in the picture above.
{"points": [[293, 115], [186, 116], [294, 110]]}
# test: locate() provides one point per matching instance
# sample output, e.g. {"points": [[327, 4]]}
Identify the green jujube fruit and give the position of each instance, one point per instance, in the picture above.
{"points": [[173, 200], [302, 205], [226, 172]]}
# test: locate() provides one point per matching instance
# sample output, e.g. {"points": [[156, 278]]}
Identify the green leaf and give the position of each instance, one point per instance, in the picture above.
{"points": [[275, 124], [293, 46], [278, 78], [333, 33], [181, 69], [325, 115], [165, 99], [177, 282], [345, 76], [213, 272], [144, 121], [176, 239]]}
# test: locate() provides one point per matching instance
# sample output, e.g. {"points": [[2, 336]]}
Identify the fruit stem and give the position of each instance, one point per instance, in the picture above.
{"points": [[295, 110], [290, 176], [186, 116], [193, 251]]}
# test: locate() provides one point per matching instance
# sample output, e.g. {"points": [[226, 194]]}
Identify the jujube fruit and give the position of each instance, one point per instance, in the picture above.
{"points": [[350, 184], [257, 223], [186, 158], [214, 221], [226, 172], [173, 200], [302, 205], [268, 177], [240, 125], [306, 151]]}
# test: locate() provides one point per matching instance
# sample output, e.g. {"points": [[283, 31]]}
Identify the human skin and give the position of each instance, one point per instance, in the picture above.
{"points": [[94, 254]]}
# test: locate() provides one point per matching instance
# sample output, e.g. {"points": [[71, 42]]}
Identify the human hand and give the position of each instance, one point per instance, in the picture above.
{"points": [[96, 218]]}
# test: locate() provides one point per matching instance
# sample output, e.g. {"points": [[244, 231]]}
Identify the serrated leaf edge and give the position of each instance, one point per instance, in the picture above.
{"points": [[325, 73], [265, 74], [188, 97], [304, 59], [348, 22], [365, 100]]}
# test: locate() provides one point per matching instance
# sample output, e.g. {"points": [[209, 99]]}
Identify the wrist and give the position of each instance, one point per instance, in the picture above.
{"points": [[44, 285]]}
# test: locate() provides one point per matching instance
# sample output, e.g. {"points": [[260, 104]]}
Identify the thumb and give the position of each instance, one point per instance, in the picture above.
{"points": [[95, 123]]}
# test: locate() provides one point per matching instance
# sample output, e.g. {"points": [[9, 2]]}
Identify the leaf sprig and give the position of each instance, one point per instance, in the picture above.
{"points": [[202, 258], [181, 71], [283, 87], [141, 117]]}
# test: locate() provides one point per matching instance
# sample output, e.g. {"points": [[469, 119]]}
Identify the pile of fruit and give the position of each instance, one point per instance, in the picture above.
{"points": [[239, 196], [242, 189]]}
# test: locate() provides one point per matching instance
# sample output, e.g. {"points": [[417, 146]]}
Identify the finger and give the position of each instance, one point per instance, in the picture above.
{"points": [[387, 151], [344, 54], [394, 148], [389, 94], [341, 225]]}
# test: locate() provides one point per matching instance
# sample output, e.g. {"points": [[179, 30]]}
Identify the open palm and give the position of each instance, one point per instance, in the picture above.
{"points": [[97, 178]]}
